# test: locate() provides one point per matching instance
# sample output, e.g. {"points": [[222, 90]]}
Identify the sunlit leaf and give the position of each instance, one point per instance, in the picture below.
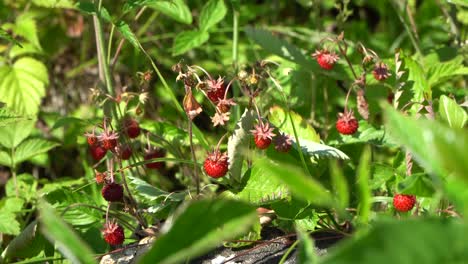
{"points": [[212, 13], [188, 40]]}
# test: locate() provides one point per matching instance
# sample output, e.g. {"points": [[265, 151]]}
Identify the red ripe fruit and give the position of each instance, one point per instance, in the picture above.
{"points": [[100, 177], [261, 142], [403, 202], [216, 164], [97, 152], [113, 234], [154, 154], [112, 192], [263, 134], [92, 140], [132, 128], [108, 139], [125, 152], [346, 123], [216, 90], [325, 59]]}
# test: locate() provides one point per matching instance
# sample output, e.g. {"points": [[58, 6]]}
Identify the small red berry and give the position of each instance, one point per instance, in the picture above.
{"points": [[325, 59], [97, 152], [263, 134], [112, 192], [404, 203], [125, 152], [113, 234], [100, 177], [108, 139], [216, 90], [91, 138], [216, 164], [132, 128], [154, 154], [347, 123], [381, 72]]}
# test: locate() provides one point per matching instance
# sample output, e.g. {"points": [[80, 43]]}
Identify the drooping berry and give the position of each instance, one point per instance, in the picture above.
{"points": [[325, 58], [154, 154], [125, 152], [283, 142], [403, 202], [131, 128], [216, 90], [346, 123], [97, 152], [108, 139], [113, 233], [91, 138], [381, 72], [216, 164], [112, 192], [263, 135]]}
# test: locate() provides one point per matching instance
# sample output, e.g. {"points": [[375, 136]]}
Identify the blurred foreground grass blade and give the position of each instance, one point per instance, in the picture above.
{"points": [[340, 185], [428, 241], [297, 182], [437, 148], [307, 253], [66, 240], [199, 227], [363, 171]]}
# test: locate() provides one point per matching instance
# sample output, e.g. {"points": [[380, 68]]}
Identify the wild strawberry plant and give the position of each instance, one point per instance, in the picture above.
{"points": [[171, 128]]}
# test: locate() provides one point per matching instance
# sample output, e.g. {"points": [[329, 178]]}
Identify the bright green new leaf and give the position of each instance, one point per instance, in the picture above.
{"points": [[55, 3], [280, 118], [188, 40], [25, 26], [212, 13], [8, 223], [7, 117], [417, 79], [317, 150], [23, 85], [216, 221], [451, 112], [31, 147], [65, 239], [439, 72], [16, 133], [175, 9], [418, 184]]}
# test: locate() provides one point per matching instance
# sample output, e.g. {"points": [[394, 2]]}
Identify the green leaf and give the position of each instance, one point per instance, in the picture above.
{"points": [[363, 173], [7, 117], [279, 117], [175, 9], [396, 242], [440, 72], [5, 35], [5, 158], [151, 193], [65, 239], [261, 188], [122, 27], [417, 78], [297, 181], [27, 244], [188, 40], [8, 223], [340, 186], [419, 184], [55, 3], [307, 253], [437, 148], [25, 26], [459, 2], [451, 112], [12, 204], [27, 185], [16, 133], [212, 13], [22, 85], [237, 141], [217, 220], [32, 147], [317, 150]]}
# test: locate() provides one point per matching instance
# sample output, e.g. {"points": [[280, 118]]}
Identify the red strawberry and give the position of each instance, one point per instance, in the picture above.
{"points": [[404, 203], [112, 192], [113, 234], [100, 177], [216, 90], [346, 123], [125, 152], [97, 152], [132, 128], [154, 154], [216, 164], [326, 59], [263, 134], [91, 138], [108, 139]]}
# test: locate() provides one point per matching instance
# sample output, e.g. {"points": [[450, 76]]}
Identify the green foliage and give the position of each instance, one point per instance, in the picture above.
{"points": [[451, 112]]}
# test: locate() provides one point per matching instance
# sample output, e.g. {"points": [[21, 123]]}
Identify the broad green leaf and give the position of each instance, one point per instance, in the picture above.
{"points": [[261, 188], [65, 239], [32, 147], [150, 192], [188, 40], [14, 134], [405, 242], [237, 143], [419, 184], [23, 84], [436, 73], [317, 150], [26, 184], [175, 9], [279, 117], [364, 191], [451, 112], [459, 2], [27, 244], [5, 158], [8, 223], [122, 27], [340, 186], [300, 185], [55, 3], [420, 86], [170, 132], [216, 221], [381, 173], [212, 13], [12, 204], [25, 26], [7, 116], [307, 253], [437, 148]]}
